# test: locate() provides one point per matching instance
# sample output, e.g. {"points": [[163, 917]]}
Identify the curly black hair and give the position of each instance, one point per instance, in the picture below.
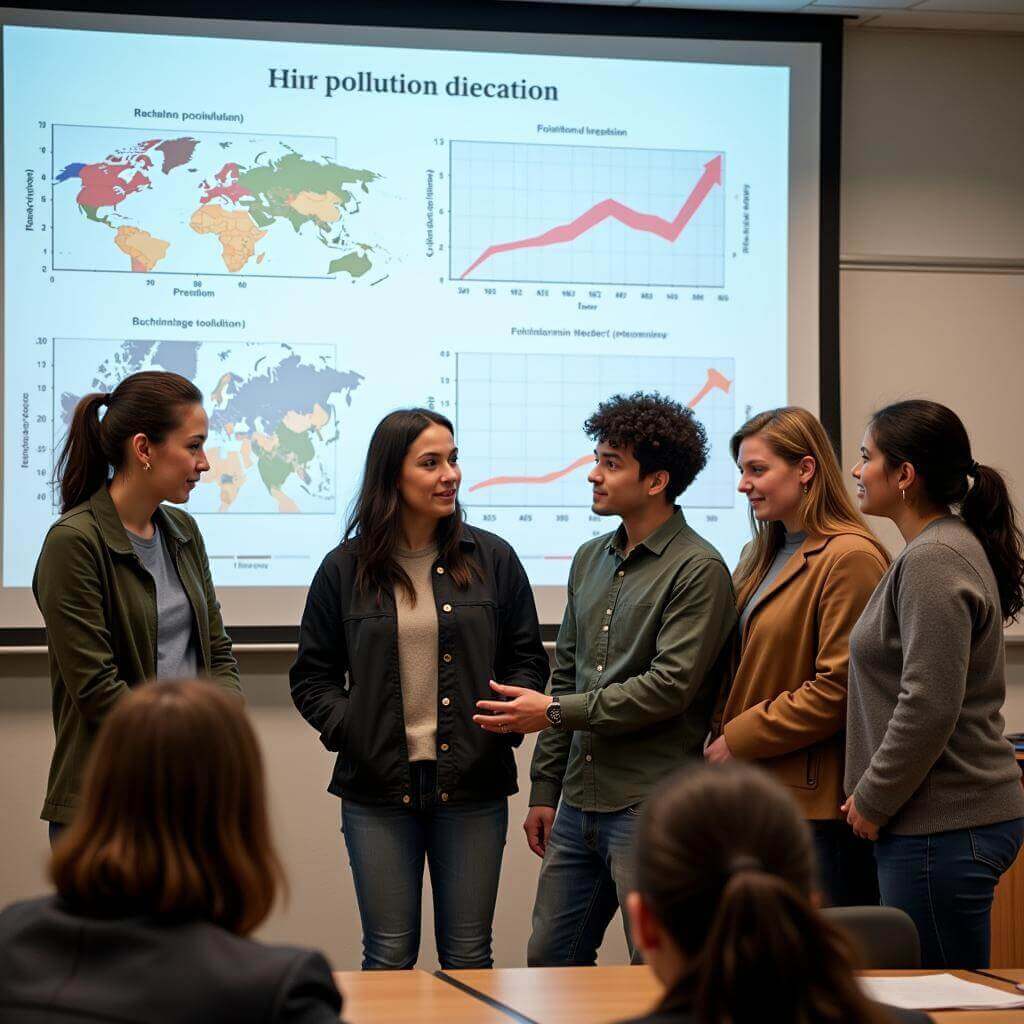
{"points": [[661, 433]]}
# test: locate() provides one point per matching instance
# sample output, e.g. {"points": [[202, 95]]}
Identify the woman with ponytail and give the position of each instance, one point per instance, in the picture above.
{"points": [[724, 908], [930, 776], [123, 581], [800, 588]]}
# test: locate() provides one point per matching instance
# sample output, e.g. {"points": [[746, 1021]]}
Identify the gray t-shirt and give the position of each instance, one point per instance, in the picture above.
{"points": [[789, 548], [177, 655]]}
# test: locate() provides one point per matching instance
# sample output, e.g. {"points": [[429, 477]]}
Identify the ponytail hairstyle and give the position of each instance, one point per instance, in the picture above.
{"points": [[724, 863], [793, 433], [147, 403], [373, 527], [933, 439]]}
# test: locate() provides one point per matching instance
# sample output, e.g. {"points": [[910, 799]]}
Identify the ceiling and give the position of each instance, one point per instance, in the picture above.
{"points": [[945, 15]]}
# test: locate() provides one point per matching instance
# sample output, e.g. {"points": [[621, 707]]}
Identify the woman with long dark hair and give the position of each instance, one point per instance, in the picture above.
{"points": [[724, 908], [800, 587], [407, 624], [123, 581], [166, 870], [930, 776]]}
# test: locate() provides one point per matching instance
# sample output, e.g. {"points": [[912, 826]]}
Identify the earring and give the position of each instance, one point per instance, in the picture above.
{"points": [[903, 494], [148, 466], [805, 488]]}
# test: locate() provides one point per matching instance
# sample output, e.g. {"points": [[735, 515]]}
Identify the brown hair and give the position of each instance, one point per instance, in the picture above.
{"points": [[373, 527], [724, 862], [173, 819], [792, 434], [145, 403], [933, 439]]}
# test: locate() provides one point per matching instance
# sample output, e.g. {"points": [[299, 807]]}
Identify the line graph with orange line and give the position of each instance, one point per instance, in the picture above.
{"points": [[522, 411], [562, 214]]}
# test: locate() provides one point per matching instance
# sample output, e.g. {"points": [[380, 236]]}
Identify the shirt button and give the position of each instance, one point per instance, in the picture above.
{"points": [[600, 668], [589, 758], [445, 701], [440, 570], [607, 611], [621, 572], [446, 607], [604, 629], [444, 796], [444, 747], [447, 659], [406, 799]]}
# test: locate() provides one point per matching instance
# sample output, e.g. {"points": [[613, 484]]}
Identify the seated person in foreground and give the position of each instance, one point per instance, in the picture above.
{"points": [[725, 913], [166, 868]]}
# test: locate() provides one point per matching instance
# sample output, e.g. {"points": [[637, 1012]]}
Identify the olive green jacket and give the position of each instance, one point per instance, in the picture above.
{"points": [[99, 606]]}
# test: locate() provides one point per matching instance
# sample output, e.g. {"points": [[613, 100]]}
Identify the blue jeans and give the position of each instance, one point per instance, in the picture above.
{"points": [[846, 865], [55, 830], [945, 882], [585, 876], [463, 845]]}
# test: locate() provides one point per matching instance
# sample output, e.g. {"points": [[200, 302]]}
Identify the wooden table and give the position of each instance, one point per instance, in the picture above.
{"points": [[601, 995], [409, 997]]}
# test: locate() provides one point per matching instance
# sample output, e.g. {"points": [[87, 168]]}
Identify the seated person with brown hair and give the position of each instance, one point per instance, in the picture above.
{"points": [[725, 908], [166, 869]]}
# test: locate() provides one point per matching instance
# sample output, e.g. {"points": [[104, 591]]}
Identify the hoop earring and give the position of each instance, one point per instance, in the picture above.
{"points": [[903, 494], [148, 466], [806, 488]]}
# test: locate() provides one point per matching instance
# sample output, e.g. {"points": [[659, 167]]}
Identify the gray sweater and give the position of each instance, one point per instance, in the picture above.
{"points": [[925, 750]]}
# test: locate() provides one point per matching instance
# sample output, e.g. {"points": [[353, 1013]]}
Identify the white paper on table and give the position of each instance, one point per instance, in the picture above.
{"points": [[938, 992]]}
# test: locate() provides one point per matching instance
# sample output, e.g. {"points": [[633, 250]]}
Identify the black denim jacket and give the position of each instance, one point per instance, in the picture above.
{"points": [[346, 682]]}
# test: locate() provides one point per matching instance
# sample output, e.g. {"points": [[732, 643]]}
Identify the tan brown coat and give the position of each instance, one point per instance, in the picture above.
{"points": [[786, 707]]}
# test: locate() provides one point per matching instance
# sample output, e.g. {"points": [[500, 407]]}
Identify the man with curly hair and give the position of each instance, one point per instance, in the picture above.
{"points": [[637, 665]]}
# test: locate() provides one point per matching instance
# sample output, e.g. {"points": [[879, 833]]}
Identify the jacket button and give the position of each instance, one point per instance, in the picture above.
{"points": [[600, 668], [444, 747], [589, 758], [621, 572], [604, 629], [447, 659], [444, 796], [446, 607], [406, 799], [445, 701], [440, 570]]}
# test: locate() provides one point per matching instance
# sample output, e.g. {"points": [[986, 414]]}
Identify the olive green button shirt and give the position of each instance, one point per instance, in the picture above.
{"points": [[638, 665]]}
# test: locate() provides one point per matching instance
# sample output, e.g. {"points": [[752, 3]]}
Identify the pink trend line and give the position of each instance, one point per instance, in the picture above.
{"points": [[714, 380], [649, 222]]}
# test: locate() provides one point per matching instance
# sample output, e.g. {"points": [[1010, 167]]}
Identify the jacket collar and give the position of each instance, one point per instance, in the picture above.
{"points": [[657, 541], [115, 536], [811, 545]]}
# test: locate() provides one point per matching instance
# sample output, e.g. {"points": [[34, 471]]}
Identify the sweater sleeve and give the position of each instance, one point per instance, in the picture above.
{"points": [[816, 709], [937, 596]]}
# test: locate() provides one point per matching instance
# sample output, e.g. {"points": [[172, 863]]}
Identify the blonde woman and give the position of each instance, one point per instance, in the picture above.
{"points": [[800, 588]]}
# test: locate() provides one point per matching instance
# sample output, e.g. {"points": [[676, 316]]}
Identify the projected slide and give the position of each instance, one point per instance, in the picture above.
{"points": [[587, 215], [318, 233]]}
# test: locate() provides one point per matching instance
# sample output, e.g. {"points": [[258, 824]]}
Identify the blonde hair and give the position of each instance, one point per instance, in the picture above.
{"points": [[792, 434]]}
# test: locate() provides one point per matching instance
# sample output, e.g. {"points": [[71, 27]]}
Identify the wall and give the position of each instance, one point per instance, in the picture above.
{"points": [[933, 143]]}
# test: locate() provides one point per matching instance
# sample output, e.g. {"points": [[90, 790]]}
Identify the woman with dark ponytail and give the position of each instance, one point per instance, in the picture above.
{"points": [[725, 907], [123, 581], [930, 776]]}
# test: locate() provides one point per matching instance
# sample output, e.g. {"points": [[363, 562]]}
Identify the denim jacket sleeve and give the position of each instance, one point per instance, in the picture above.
{"points": [[520, 659], [317, 678]]}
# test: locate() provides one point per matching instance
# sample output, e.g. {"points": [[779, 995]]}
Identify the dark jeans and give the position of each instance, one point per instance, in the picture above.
{"points": [[585, 876], [463, 845], [55, 830], [846, 865], [945, 882]]}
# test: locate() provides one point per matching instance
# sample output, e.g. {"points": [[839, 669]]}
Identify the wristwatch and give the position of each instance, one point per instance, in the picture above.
{"points": [[554, 712]]}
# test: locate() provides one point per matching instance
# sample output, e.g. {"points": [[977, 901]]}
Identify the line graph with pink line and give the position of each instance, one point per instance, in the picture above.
{"points": [[588, 215], [519, 419]]}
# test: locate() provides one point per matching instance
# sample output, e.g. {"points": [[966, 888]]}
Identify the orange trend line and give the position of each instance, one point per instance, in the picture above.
{"points": [[715, 380], [611, 208]]}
